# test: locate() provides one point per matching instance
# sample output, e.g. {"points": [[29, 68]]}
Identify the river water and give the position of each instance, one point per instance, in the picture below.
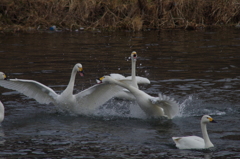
{"points": [[199, 69]]}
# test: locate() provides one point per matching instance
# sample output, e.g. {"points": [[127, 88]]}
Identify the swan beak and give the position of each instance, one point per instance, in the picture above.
{"points": [[81, 71], [134, 55], [5, 77], [212, 121], [99, 80]]}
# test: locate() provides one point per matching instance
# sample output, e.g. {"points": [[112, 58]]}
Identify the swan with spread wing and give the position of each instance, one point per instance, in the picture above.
{"points": [[152, 106]]}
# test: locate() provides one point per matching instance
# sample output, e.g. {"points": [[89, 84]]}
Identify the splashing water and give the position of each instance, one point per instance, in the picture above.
{"points": [[120, 108], [184, 104], [194, 106]]}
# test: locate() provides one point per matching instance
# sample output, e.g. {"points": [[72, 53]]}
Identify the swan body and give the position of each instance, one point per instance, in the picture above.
{"points": [[135, 80], [152, 106], [83, 102], [195, 142]]}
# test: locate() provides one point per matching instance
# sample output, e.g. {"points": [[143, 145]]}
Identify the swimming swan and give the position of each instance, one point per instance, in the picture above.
{"points": [[152, 106], [83, 102], [124, 93], [195, 142]]}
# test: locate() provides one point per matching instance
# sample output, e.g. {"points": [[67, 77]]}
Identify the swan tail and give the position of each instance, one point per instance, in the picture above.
{"points": [[169, 105]]}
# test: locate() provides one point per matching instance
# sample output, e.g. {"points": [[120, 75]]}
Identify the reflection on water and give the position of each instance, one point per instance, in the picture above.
{"points": [[198, 69]]}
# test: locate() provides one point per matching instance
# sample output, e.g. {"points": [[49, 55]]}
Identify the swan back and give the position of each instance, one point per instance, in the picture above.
{"points": [[189, 142]]}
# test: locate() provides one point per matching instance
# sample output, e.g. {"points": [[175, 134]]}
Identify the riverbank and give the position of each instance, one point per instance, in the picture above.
{"points": [[135, 15]]}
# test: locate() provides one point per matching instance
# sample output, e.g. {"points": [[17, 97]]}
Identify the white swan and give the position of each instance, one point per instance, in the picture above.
{"points": [[195, 142], [125, 94], [2, 76], [83, 102], [1, 112], [152, 106]]}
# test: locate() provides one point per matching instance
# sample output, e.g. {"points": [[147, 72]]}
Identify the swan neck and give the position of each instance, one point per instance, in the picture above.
{"points": [[71, 82], [134, 82], [133, 69], [207, 141]]}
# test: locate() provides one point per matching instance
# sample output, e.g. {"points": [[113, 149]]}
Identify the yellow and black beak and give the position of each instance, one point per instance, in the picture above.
{"points": [[99, 80], [134, 55], [5, 77], [80, 69], [211, 120]]}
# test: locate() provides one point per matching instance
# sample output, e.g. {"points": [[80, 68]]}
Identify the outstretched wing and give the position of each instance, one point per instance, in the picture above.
{"points": [[140, 80], [97, 95], [32, 89], [117, 76], [169, 105]]}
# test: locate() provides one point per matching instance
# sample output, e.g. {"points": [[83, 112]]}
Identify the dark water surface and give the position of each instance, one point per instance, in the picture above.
{"points": [[200, 69]]}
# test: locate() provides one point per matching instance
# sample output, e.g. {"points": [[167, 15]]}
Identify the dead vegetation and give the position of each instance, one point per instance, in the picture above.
{"points": [[136, 15]]}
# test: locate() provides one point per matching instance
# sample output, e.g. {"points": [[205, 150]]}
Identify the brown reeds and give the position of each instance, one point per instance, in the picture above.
{"points": [[133, 15]]}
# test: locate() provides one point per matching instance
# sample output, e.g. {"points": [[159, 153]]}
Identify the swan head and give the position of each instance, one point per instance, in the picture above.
{"points": [[78, 68], [207, 119], [134, 56], [105, 79], [3, 76]]}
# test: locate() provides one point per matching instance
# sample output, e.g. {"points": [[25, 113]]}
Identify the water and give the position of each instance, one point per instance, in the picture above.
{"points": [[200, 69]]}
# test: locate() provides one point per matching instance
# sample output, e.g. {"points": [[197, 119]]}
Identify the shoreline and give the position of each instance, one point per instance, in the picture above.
{"points": [[113, 15]]}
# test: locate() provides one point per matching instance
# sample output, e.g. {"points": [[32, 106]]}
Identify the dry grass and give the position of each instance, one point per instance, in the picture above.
{"points": [[136, 15]]}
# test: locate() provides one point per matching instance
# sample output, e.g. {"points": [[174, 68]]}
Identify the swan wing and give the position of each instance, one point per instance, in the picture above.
{"points": [[189, 142], [169, 105], [97, 95], [117, 76], [140, 80], [124, 93], [32, 89]]}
